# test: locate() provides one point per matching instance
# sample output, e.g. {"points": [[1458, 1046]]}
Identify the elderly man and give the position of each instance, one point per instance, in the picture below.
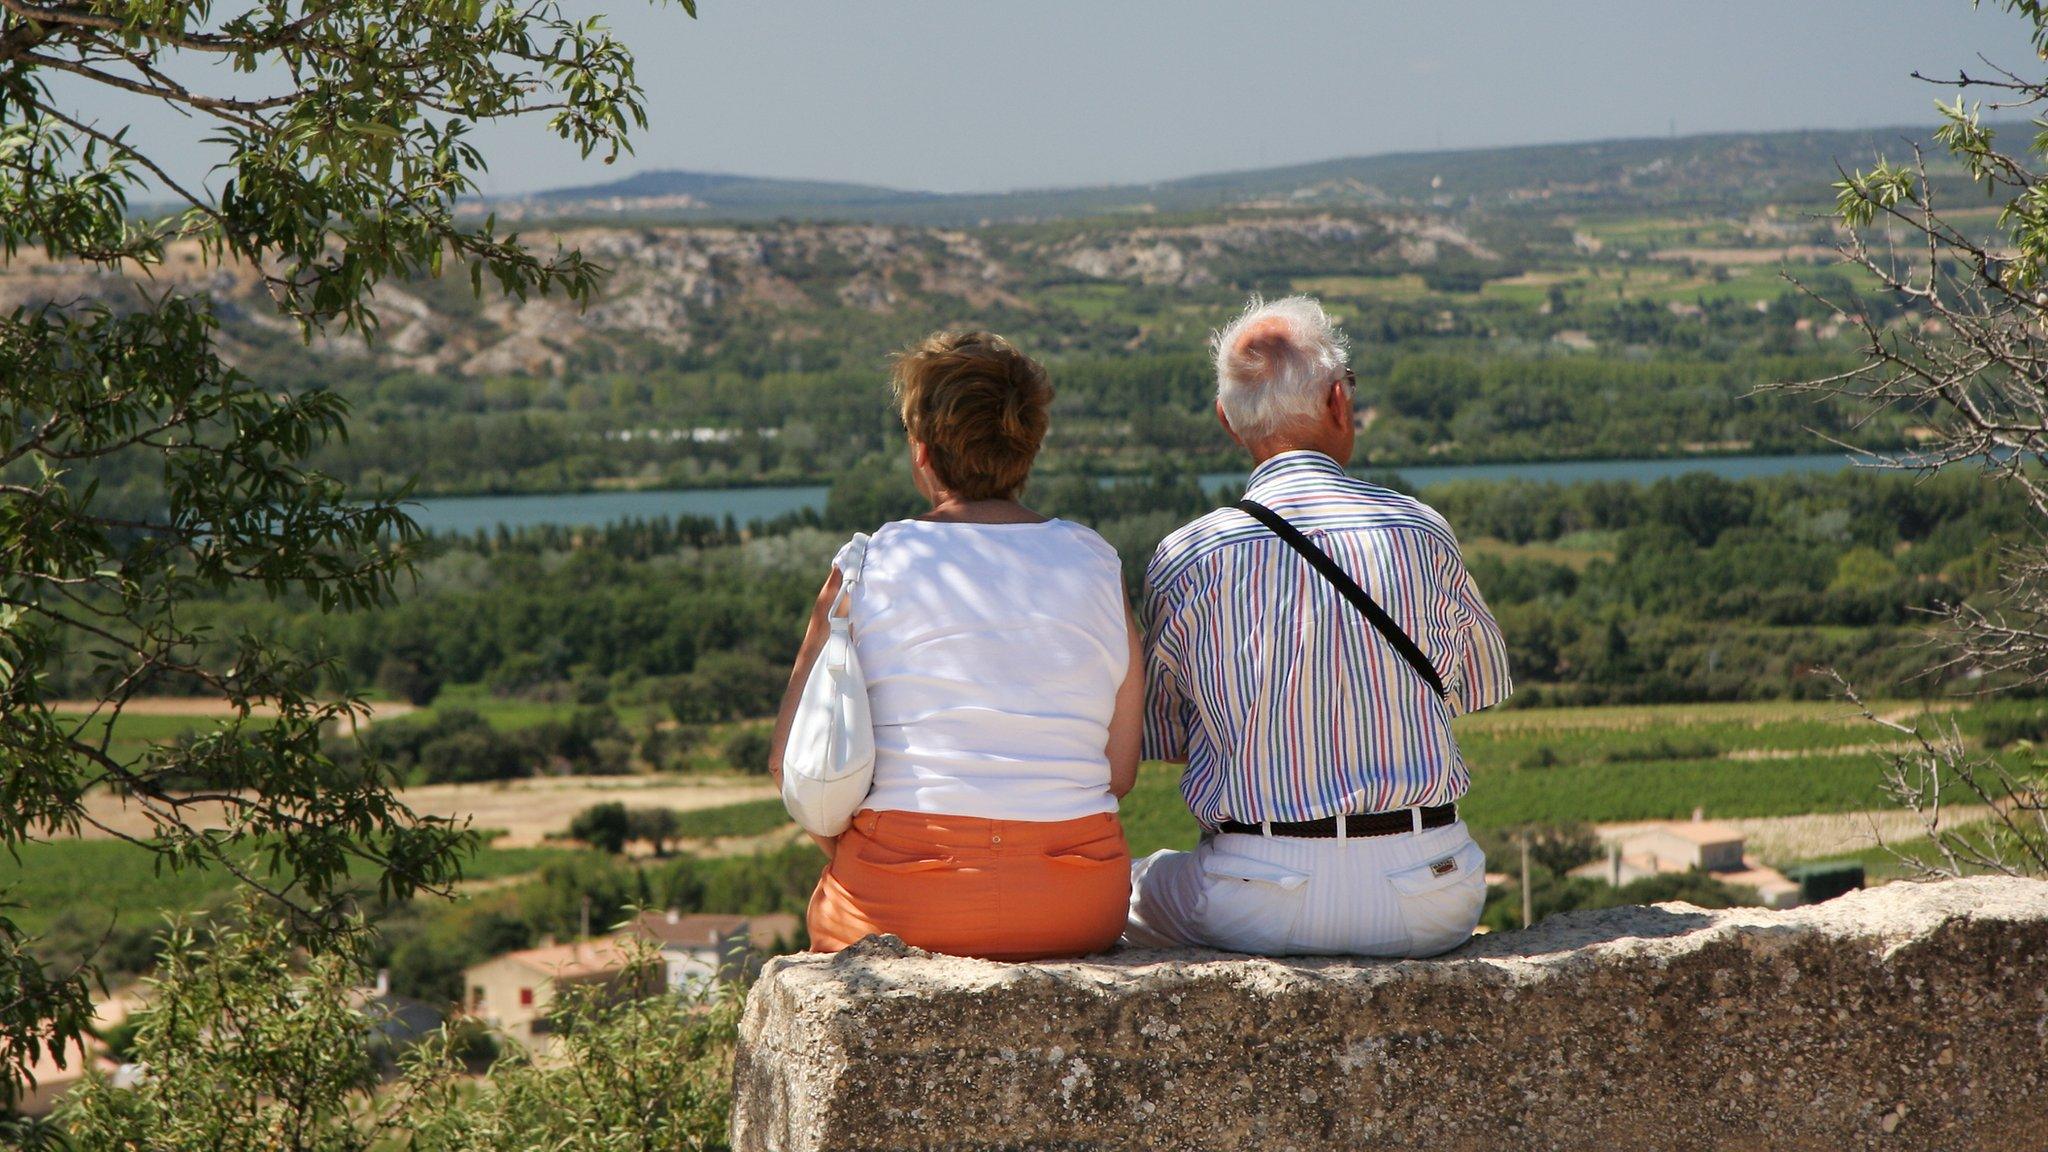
{"points": [[1306, 650]]}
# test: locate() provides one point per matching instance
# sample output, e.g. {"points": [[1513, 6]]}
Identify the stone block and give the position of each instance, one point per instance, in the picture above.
{"points": [[1913, 1016]]}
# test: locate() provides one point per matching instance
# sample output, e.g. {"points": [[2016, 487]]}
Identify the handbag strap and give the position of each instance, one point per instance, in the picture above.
{"points": [[852, 556], [851, 559], [1373, 613]]}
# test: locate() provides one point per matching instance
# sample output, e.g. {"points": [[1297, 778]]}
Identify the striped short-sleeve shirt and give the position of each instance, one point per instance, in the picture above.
{"points": [[1284, 702]]}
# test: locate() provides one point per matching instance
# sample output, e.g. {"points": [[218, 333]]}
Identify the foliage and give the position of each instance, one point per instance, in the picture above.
{"points": [[747, 749], [1558, 848], [457, 745], [426, 946], [728, 686], [339, 151], [245, 1051], [1553, 892], [602, 826], [656, 826], [250, 1045], [1968, 355], [625, 1073]]}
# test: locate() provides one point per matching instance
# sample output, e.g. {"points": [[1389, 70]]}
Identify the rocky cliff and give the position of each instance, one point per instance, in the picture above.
{"points": [[682, 286], [1911, 1016]]}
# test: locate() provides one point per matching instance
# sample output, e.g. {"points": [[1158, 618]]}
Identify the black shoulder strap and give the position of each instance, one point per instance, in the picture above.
{"points": [[1373, 613]]}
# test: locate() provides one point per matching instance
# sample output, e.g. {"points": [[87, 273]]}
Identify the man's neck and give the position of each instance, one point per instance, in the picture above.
{"points": [[1265, 450]]}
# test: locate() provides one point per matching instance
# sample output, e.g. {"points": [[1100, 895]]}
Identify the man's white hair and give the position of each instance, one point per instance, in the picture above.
{"points": [[1275, 363]]}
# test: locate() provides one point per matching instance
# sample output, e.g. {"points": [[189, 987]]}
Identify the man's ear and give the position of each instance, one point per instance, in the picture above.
{"points": [[1228, 430], [1339, 406]]}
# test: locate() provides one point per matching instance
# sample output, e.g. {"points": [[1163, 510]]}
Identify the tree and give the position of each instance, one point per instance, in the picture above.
{"points": [[245, 1052], [729, 685], [248, 1050], [657, 826], [605, 827], [1958, 338], [138, 469]]}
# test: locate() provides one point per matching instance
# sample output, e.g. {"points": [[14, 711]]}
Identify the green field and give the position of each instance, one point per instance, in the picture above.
{"points": [[100, 881], [130, 735], [1562, 765], [753, 818], [1598, 765]]}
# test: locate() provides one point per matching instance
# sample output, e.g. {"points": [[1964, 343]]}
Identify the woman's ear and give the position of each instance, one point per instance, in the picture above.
{"points": [[920, 456]]}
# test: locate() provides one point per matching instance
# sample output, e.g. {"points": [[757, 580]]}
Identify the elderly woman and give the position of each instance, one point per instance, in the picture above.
{"points": [[1005, 678]]}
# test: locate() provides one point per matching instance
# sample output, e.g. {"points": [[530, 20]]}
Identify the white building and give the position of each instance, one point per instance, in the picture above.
{"points": [[701, 949], [1685, 845]]}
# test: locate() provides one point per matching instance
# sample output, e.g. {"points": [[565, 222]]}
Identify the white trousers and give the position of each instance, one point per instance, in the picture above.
{"points": [[1409, 894]]}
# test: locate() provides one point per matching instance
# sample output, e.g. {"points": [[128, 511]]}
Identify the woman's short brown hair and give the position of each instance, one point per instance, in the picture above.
{"points": [[978, 406]]}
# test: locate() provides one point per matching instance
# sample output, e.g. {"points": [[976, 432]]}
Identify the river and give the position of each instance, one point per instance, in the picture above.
{"points": [[469, 514]]}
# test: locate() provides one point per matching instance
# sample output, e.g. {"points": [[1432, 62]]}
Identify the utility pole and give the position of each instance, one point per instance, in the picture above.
{"points": [[1528, 904], [586, 897]]}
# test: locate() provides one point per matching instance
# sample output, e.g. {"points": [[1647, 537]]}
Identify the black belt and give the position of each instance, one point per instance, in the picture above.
{"points": [[1376, 824]]}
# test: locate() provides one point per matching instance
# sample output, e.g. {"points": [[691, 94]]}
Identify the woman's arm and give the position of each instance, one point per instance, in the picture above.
{"points": [[1127, 724], [806, 655]]}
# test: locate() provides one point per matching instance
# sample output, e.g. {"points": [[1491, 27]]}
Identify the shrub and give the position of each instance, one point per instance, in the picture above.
{"points": [[657, 826], [729, 686], [602, 826], [747, 749], [413, 681]]}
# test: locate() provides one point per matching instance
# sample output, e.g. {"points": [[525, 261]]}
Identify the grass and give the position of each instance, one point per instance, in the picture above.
{"points": [[1671, 790], [1882, 862], [1567, 765], [1154, 815], [1558, 552], [751, 818], [1549, 765], [1405, 286], [510, 715], [129, 735], [104, 881], [1089, 301]]}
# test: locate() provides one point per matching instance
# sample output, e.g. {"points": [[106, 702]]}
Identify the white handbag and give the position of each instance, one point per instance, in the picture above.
{"points": [[828, 765]]}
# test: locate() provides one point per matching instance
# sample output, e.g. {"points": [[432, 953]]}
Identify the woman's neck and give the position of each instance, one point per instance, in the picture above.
{"points": [[947, 509]]}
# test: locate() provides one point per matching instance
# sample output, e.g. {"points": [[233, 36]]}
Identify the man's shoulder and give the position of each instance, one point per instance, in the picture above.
{"points": [[1374, 507], [1195, 540]]}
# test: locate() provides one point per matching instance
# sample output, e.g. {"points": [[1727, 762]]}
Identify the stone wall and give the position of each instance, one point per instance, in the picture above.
{"points": [[1913, 1016]]}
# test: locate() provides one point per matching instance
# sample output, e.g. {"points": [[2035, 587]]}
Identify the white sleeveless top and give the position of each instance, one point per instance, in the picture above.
{"points": [[993, 654]]}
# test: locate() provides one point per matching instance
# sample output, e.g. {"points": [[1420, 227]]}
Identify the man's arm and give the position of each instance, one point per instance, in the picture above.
{"points": [[1481, 678], [1167, 708]]}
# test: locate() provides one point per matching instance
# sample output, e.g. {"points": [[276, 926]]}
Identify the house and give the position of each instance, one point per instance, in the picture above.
{"points": [[1683, 846], [397, 1023], [515, 993], [701, 949]]}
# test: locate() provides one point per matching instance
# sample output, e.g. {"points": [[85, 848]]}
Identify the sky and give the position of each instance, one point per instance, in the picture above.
{"points": [[974, 95]]}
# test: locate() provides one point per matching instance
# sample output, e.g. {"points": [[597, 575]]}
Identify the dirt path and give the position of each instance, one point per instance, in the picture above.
{"points": [[1776, 840], [525, 810], [206, 707]]}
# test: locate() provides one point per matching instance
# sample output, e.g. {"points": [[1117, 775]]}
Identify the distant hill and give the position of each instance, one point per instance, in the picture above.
{"points": [[1720, 171], [738, 193]]}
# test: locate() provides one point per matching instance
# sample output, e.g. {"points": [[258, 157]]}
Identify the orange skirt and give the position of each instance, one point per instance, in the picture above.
{"points": [[997, 889]]}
